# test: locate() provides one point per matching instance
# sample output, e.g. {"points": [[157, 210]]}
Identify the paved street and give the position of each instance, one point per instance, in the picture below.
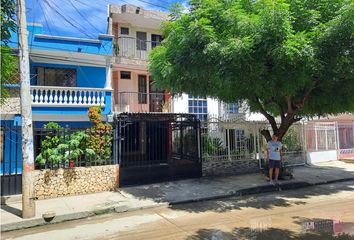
{"points": [[282, 215]]}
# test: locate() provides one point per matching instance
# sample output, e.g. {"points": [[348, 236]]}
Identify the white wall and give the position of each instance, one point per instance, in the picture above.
{"points": [[322, 156], [180, 105]]}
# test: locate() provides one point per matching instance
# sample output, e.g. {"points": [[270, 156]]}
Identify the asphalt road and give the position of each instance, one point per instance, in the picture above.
{"points": [[322, 212]]}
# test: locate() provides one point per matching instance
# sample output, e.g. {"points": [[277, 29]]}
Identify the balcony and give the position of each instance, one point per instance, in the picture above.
{"points": [[67, 96], [133, 48], [141, 102]]}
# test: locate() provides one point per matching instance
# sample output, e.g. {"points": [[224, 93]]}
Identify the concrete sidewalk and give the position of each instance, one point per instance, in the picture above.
{"points": [[168, 193]]}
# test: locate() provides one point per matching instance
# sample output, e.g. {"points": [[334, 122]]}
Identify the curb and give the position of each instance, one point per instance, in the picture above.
{"points": [[262, 189], [74, 216], [121, 209]]}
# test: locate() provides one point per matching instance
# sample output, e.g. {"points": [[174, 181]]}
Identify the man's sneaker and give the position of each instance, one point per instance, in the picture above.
{"points": [[271, 182], [276, 182]]}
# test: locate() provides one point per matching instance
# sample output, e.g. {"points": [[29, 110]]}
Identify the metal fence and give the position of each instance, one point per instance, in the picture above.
{"points": [[135, 48], [153, 147], [11, 160], [240, 140], [321, 136], [68, 148], [229, 139], [346, 140], [141, 102]]}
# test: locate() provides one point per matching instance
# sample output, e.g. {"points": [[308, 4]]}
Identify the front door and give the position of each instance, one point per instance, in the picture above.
{"points": [[156, 98], [142, 89]]}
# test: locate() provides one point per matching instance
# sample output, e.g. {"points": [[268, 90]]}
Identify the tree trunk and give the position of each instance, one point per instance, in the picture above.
{"points": [[281, 131], [266, 135]]}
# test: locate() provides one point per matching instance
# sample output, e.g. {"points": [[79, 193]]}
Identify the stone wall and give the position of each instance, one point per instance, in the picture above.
{"points": [[221, 166], [74, 181]]}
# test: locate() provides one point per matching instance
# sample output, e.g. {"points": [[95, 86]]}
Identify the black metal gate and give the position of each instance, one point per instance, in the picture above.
{"points": [[11, 160], [155, 147]]}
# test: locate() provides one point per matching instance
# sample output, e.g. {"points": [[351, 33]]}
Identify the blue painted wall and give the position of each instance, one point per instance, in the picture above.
{"points": [[91, 77], [104, 47], [12, 153], [82, 125]]}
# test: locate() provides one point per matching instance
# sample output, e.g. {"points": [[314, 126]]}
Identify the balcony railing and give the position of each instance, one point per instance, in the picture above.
{"points": [[141, 102], [67, 96], [134, 48]]}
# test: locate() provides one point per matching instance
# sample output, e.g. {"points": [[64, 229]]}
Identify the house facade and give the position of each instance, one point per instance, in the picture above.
{"points": [[67, 76], [330, 139], [136, 31]]}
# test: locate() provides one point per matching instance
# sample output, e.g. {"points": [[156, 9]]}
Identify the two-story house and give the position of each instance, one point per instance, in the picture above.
{"points": [[136, 31], [67, 76]]}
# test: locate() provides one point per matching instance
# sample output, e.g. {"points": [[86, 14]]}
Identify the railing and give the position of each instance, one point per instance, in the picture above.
{"points": [[67, 96], [69, 147], [141, 102], [130, 47]]}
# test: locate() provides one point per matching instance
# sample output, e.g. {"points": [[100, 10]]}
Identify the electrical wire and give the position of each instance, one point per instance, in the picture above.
{"points": [[45, 17], [69, 20], [83, 17]]}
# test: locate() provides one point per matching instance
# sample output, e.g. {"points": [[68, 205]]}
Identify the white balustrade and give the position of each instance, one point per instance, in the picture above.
{"points": [[67, 96]]}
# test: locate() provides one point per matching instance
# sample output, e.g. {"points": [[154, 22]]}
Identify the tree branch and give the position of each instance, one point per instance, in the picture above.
{"points": [[300, 105], [280, 107], [269, 117], [290, 104]]}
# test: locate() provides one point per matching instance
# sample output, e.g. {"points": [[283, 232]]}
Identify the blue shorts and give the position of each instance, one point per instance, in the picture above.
{"points": [[274, 163]]}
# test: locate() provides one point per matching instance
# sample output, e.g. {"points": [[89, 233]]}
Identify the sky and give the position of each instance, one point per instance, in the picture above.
{"points": [[81, 18]]}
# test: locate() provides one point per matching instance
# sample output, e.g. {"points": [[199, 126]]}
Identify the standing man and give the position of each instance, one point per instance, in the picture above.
{"points": [[274, 156]]}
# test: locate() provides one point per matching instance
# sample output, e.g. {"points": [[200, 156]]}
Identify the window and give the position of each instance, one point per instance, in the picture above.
{"points": [[232, 108], [124, 31], [125, 75], [155, 40], [62, 77], [142, 88], [141, 41], [198, 106]]}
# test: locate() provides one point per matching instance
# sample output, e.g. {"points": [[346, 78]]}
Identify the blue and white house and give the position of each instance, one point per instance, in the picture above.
{"points": [[67, 75]]}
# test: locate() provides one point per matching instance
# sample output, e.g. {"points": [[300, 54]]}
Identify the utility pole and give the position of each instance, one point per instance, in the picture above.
{"points": [[28, 203]]}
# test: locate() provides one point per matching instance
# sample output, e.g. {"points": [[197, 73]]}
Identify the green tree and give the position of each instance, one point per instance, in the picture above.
{"points": [[8, 61], [285, 58]]}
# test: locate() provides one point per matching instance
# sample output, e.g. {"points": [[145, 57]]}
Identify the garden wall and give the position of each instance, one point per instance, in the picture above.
{"points": [[75, 181], [222, 165]]}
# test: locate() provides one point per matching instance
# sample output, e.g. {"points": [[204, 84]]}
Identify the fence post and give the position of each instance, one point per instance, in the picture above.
{"points": [[336, 138], [304, 142], [228, 143]]}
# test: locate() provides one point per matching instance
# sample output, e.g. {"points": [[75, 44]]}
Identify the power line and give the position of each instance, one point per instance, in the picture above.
{"points": [[45, 17], [71, 21], [83, 17]]}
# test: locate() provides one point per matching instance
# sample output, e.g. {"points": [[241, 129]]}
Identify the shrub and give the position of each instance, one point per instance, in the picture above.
{"points": [[100, 138]]}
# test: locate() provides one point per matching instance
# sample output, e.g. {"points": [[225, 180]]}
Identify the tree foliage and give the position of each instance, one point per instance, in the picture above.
{"points": [[8, 61], [8, 19], [286, 58]]}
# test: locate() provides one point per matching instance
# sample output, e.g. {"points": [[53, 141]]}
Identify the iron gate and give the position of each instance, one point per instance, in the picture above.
{"points": [[11, 160], [155, 147]]}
